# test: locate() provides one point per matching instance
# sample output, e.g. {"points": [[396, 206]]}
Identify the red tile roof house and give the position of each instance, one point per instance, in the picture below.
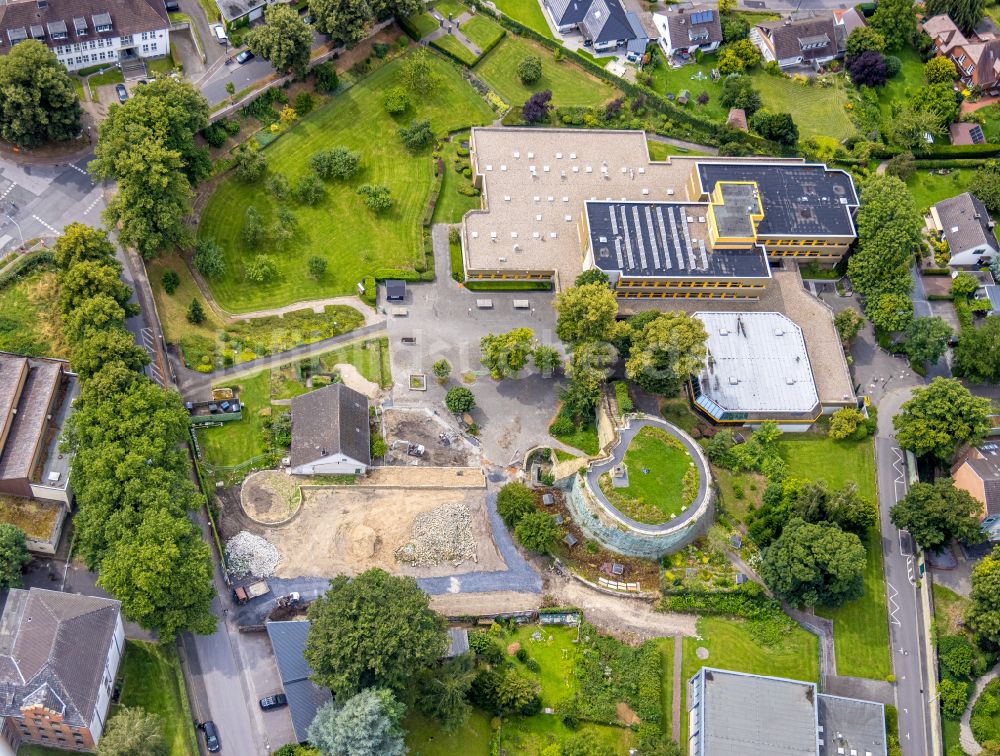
{"points": [[59, 655], [977, 58]]}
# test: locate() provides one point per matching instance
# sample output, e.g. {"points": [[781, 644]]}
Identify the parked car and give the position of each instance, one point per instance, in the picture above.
{"points": [[121, 92], [273, 702], [211, 737], [219, 32], [172, 6], [244, 56]]}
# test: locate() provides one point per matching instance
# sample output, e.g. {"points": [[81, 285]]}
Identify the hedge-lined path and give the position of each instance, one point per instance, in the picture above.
{"points": [[969, 743], [446, 27]]}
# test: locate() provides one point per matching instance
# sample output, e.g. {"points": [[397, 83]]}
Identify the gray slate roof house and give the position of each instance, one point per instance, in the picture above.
{"points": [[566, 14], [965, 224], [330, 434], [689, 27], [799, 39], [605, 24], [305, 698]]}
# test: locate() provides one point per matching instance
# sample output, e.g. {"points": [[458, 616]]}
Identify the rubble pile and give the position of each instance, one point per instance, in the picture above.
{"points": [[440, 535], [249, 554]]}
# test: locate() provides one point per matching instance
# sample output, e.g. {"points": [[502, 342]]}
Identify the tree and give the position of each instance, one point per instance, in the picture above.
{"points": [[208, 259], [965, 13], [110, 345], [927, 339], [80, 243], [986, 185], [940, 100], [896, 21], [935, 514], [417, 73], [317, 266], [442, 692], [954, 697], [98, 313], [862, 40], [89, 279], [396, 101], [506, 354], [277, 185], [377, 198], [459, 399], [666, 352], [441, 369], [940, 70], [367, 724], [940, 417], [546, 359], [977, 356], [14, 556], [284, 39], [261, 269], [133, 732], [868, 70], [737, 57], [160, 569], [589, 367], [909, 126], [249, 163], [309, 190], [815, 564], [964, 285], [346, 20], [537, 531], [196, 313], [845, 422], [147, 145], [373, 630], [417, 135], [592, 275], [586, 313], [170, 281], [514, 502], [537, 107], [326, 73], [337, 163], [983, 614], [778, 127], [39, 103], [849, 510], [252, 232], [848, 323], [889, 234], [902, 166], [739, 92], [505, 691], [529, 69]]}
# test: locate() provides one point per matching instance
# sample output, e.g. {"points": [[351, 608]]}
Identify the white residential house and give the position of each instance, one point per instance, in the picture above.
{"points": [[85, 33], [965, 223], [687, 29], [330, 433]]}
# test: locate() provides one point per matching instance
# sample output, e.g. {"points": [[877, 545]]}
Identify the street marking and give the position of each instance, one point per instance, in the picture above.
{"points": [[78, 170], [57, 233], [454, 585], [899, 465], [92, 204], [909, 568], [7, 191], [149, 344], [893, 606]]}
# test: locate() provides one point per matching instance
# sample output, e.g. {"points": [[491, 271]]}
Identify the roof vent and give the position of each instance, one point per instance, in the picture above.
{"points": [[733, 380]]}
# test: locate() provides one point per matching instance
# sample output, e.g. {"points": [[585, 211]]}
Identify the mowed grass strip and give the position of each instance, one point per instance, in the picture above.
{"points": [[423, 24], [860, 628], [456, 48], [482, 31], [153, 681], [354, 241], [570, 84], [816, 110], [656, 464], [527, 12]]}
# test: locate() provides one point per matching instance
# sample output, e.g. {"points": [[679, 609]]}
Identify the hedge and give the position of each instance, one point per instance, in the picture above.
{"points": [[621, 396], [467, 62], [950, 163], [25, 264], [488, 285], [942, 151], [382, 274]]}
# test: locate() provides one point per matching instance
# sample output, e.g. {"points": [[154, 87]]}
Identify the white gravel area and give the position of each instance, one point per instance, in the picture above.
{"points": [[249, 554]]}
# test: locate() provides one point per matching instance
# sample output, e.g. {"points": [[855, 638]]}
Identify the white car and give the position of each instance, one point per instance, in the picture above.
{"points": [[219, 32]]}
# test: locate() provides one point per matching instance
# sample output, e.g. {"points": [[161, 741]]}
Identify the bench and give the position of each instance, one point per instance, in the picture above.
{"points": [[484, 304], [399, 312], [522, 304]]}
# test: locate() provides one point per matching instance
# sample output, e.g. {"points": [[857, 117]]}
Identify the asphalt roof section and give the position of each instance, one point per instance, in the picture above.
{"points": [[798, 200], [54, 646], [27, 429], [664, 240], [965, 222], [327, 421], [853, 725], [568, 12], [605, 21], [757, 362], [305, 698], [126, 17]]}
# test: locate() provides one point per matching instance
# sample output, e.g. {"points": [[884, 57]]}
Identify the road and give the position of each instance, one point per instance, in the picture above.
{"points": [[906, 625]]}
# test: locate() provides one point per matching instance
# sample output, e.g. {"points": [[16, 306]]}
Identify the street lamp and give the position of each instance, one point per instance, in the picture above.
{"points": [[18, 229]]}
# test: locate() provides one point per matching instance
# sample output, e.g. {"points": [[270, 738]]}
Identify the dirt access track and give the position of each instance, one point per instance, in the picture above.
{"points": [[348, 529]]}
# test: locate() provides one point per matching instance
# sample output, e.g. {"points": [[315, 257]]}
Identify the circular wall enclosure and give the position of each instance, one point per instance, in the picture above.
{"points": [[660, 463]]}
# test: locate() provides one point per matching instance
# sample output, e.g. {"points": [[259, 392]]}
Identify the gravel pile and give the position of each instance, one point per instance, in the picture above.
{"points": [[249, 554], [441, 535]]}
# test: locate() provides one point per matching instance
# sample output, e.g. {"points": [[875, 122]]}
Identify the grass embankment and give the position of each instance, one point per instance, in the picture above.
{"points": [[29, 316]]}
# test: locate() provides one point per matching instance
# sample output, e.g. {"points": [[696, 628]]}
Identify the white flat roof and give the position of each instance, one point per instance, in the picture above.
{"points": [[757, 362]]}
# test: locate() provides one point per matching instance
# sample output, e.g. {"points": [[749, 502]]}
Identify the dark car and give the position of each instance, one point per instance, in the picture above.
{"points": [[172, 6], [211, 737], [244, 56], [121, 92], [274, 702]]}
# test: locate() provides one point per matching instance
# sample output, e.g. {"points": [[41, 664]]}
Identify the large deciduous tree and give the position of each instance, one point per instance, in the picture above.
{"points": [[977, 356], [937, 514], [345, 20], [896, 21], [927, 339], [940, 417], [965, 13], [14, 556], [586, 313], [986, 185], [284, 39], [373, 630], [666, 351], [506, 354], [147, 145], [983, 615], [815, 564], [367, 724], [862, 40], [39, 103], [113, 344], [133, 732]]}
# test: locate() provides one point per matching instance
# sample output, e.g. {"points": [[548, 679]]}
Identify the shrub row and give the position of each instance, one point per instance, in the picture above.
{"points": [[952, 163], [942, 151]]}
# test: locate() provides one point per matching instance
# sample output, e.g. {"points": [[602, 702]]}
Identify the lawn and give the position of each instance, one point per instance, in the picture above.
{"points": [[532, 735], [949, 609], [583, 438], [29, 316], [527, 12], [216, 343], [657, 490], [570, 84], [817, 111], [455, 48], [371, 358], [694, 77], [426, 738], [667, 685], [236, 442], [482, 31], [423, 24], [661, 151], [450, 8], [928, 188], [152, 679], [860, 628], [678, 411], [910, 76], [340, 229], [452, 204], [110, 76]]}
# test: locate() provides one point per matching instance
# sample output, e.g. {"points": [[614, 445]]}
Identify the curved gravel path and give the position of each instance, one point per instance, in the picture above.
{"points": [[966, 738], [618, 454]]}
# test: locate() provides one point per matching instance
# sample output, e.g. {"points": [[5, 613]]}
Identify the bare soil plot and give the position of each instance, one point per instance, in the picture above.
{"points": [[419, 426]]}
